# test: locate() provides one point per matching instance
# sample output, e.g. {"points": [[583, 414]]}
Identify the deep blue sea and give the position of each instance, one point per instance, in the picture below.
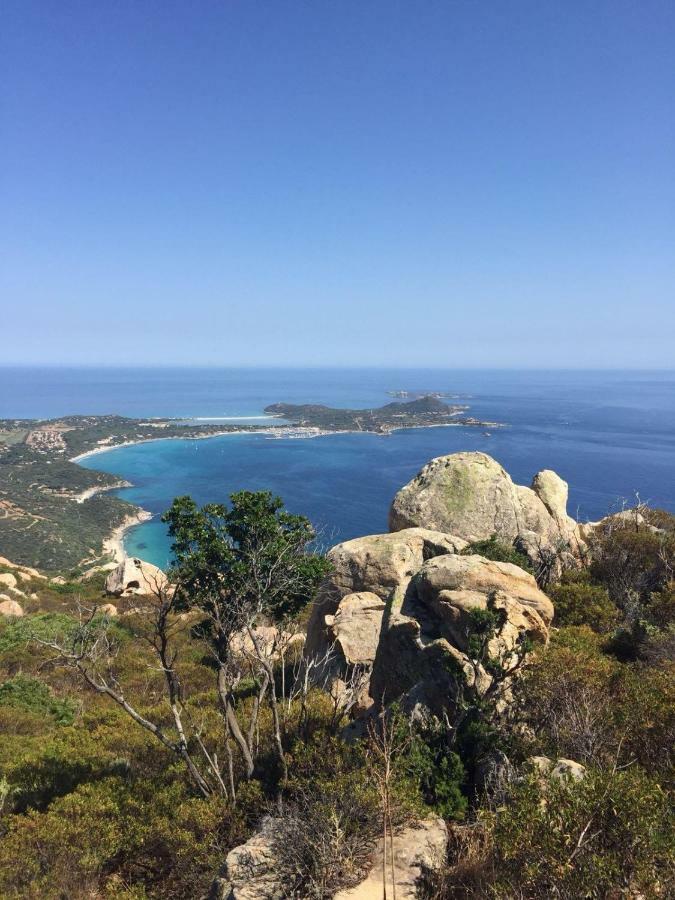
{"points": [[609, 434]]}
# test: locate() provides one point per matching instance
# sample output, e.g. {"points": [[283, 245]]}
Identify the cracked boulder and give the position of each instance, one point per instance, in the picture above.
{"points": [[380, 564], [423, 653]]}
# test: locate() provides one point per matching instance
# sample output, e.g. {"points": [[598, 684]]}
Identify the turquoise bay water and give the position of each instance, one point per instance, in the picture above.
{"points": [[609, 434]]}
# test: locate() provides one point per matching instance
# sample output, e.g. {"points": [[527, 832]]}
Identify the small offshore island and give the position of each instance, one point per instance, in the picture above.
{"points": [[57, 515]]}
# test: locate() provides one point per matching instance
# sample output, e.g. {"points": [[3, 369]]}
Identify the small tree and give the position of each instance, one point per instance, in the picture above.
{"points": [[241, 566], [238, 566]]}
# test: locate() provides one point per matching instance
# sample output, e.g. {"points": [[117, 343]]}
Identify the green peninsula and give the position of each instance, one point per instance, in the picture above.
{"points": [[56, 515]]}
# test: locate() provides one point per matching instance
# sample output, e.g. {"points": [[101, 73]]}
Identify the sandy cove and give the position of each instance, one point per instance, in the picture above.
{"points": [[113, 545]]}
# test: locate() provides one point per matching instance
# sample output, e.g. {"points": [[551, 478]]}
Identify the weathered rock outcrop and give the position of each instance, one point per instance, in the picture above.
{"points": [[355, 628], [354, 633], [272, 643], [135, 577], [7, 580], [346, 617], [560, 770], [470, 495], [249, 872], [109, 609], [418, 850], [26, 573], [399, 607], [424, 640], [381, 564]]}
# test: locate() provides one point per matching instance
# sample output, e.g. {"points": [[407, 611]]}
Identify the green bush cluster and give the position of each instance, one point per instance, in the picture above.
{"points": [[31, 694], [582, 839], [493, 548], [580, 601]]}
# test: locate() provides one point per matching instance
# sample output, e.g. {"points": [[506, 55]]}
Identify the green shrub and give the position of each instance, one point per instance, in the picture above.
{"points": [[45, 626], [578, 601], [632, 562], [52, 626], [586, 839], [330, 820], [33, 695], [581, 703], [493, 548], [109, 837], [437, 771]]}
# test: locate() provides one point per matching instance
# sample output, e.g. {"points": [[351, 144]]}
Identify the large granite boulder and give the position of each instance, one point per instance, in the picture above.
{"points": [[135, 577], [458, 579], [471, 496], [381, 564], [418, 850], [424, 640], [346, 618]]}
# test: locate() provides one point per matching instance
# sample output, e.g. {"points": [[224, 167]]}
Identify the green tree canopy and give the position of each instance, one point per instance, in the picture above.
{"points": [[253, 557]]}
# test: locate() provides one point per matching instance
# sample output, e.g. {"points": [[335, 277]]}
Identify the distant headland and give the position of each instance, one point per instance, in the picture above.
{"points": [[421, 412]]}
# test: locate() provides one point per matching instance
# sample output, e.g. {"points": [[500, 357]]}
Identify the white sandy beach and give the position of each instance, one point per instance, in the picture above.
{"points": [[114, 544]]}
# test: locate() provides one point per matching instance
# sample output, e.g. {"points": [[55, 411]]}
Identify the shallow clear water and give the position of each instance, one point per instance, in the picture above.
{"points": [[609, 434]]}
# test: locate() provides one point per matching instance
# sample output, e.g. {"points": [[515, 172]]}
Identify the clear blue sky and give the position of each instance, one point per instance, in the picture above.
{"points": [[350, 183]]}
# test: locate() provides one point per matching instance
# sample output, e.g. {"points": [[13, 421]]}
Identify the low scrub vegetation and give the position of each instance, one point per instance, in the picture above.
{"points": [[138, 750]]}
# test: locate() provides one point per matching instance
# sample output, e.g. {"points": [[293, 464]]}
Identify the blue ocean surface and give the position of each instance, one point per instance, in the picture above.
{"points": [[609, 434]]}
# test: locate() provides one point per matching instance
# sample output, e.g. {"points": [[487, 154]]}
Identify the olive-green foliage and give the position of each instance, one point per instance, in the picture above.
{"points": [[633, 561], [584, 704], [493, 548], [31, 694], [330, 819], [99, 808], [578, 601], [46, 627], [661, 607], [585, 839], [151, 834]]}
